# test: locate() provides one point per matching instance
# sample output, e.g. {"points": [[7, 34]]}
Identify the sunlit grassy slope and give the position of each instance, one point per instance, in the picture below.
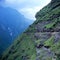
{"points": [[41, 41]]}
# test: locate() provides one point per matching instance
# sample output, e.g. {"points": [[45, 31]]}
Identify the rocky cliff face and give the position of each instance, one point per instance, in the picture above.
{"points": [[41, 41]]}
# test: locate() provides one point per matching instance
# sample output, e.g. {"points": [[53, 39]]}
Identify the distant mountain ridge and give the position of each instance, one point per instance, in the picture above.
{"points": [[12, 24], [41, 41]]}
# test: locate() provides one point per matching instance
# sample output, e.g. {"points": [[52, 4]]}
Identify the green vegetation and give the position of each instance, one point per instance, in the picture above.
{"points": [[51, 25], [56, 47], [24, 49], [49, 42], [37, 42], [49, 58], [31, 29], [48, 14]]}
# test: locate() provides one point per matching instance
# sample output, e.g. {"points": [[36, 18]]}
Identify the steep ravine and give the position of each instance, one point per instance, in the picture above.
{"points": [[41, 41]]}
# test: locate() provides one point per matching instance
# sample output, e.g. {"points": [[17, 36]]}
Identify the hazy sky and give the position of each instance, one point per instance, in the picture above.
{"points": [[26, 7]]}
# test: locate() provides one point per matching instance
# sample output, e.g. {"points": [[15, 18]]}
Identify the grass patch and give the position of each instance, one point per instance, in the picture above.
{"points": [[50, 25], [49, 42], [56, 47]]}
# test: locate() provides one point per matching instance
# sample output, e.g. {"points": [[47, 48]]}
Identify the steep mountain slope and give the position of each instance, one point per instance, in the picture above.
{"points": [[41, 41], [12, 24]]}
